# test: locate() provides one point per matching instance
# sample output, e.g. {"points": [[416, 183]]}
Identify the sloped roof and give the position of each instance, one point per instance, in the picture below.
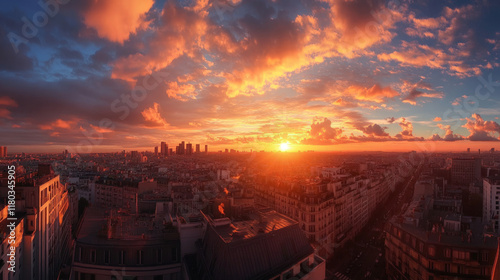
{"points": [[262, 256]]}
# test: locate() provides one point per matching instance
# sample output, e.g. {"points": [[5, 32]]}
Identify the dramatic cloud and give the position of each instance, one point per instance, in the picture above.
{"points": [[182, 92], [413, 54], [418, 90], [246, 73], [449, 136], [375, 130], [115, 20], [153, 117], [322, 133], [59, 124], [481, 130], [376, 93]]}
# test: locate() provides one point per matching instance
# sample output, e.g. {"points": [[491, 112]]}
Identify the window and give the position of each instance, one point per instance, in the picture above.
{"points": [[159, 255], [106, 257], [79, 256], [121, 257], [92, 256], [431, 265], [484, 256], [447, 253], [287, 275], [140, 257], [432, 251], [446, 267], [174, 254]]}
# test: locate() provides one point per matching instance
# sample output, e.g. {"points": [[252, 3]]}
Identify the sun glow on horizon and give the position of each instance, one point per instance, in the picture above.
{"points": [[284, 146]]}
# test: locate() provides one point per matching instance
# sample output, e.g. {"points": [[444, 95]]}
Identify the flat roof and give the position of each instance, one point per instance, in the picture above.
{"points": [[124, 228]]}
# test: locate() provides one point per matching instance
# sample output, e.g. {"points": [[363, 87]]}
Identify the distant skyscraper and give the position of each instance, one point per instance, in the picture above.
{"points": [[468, 150], [182, 149], [164, 149], [3, 151], [189, 149], [156, 150], [226, 151], [197, 148], [206, 149]]}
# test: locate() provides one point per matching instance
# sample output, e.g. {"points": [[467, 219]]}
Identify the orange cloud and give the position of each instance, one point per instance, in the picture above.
{"points": [[153, 117], [115, 20], [437, 119], [481, 130], [376, 93], [182, 92], [419, 55], [101, 129], [407, 131], [59, 124], [322, 132], [180, 33], [361, 24], [418, 90], [449, 136], [4, 113], [414, 54], [7, 101]]}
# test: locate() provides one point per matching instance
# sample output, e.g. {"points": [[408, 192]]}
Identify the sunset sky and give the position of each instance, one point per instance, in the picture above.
{"points": [[108, 75]]}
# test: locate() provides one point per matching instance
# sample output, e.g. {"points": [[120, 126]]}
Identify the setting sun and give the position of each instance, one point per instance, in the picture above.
{"points": [[284, 147]]}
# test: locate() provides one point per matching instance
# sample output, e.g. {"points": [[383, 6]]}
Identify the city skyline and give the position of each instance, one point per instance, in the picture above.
{"points": [[106, 76]]}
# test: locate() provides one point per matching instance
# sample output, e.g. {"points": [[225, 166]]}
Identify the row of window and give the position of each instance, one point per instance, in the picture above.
{"points": [[122, 256], [447, 252]]}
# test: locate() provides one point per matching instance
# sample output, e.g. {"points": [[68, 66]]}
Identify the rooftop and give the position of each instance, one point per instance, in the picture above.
{"points": [[100, 226], [251, 249], [428, 234], [259, 223]]}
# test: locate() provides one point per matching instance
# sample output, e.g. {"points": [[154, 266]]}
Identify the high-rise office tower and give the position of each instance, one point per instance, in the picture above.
{"points": [[189, 149], [156, 150], [3, 151], [206, 149], [182, 149], [164, 149], [197, 148]]}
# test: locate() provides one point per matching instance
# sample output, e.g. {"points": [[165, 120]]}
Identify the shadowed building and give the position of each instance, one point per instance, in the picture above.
{"points": [[466, 171], [267, 246], [113, 245]]}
